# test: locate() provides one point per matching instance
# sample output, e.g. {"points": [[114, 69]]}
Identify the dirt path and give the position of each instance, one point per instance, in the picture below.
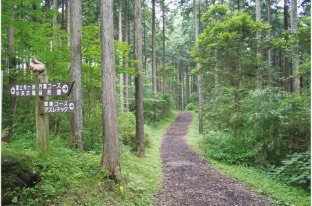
{"points": [[189, 180]]}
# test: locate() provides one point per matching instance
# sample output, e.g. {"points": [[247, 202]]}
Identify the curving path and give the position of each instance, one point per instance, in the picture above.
{"points": [[189, 180]]}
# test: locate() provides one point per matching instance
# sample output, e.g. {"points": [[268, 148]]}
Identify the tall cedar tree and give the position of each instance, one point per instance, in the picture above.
{"points": [[295, 58], [199, 78], [154, 72], [76, 140], [139, 79], [110, 158]]}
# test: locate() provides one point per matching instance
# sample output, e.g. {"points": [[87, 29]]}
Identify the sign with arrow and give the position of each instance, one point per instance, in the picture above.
{"points": [[57, 106], [42, 89]]}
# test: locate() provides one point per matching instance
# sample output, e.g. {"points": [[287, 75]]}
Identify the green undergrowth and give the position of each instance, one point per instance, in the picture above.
{"points": [[276, 191], [71, 177]]}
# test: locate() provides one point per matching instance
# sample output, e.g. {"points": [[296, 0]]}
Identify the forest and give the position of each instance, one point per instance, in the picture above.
{"points": [[240, 68]]}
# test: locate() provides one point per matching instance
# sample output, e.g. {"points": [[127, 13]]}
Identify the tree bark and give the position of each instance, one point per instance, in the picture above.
{"points": [[270, 31], [121, 75], [53, 41], [182, 86], [258, 36], [139, 80], [187, 84], [55, 16], [12, 80], [76, 139], [68, 19], [287, 81], [63, 14], [164, 49], [126, 36], [110, 158], [199, 77], [144, 37], [154, 79], [154, 72], [295, 58]]}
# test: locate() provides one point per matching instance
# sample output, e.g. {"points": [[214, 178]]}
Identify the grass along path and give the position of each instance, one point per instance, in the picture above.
{"points": [[277, 192], [70, 177]]}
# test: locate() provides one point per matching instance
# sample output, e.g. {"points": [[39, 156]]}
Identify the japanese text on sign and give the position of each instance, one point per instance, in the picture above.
{"points": [[58, 106], [41, 89]]}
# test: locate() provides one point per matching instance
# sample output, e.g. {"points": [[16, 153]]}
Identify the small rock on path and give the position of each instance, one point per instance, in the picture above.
{"points": [[189, 180]]}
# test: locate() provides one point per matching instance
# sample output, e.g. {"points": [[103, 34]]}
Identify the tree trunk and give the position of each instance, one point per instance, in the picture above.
{"points": [[76, 139], [12, 80], [287, 81], [199, 77], [53, 41], [295, 58], [258, 36], [164, 49], [110, 158], [154, 79], [121, 75], [182, 86], [270, 31], [144, 37], [126, 22], [63, 14], [139, 80], [55, 15], [154, 74], [187, 84], [68, 20]]}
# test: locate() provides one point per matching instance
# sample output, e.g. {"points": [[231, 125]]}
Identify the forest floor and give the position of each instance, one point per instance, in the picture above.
{"points": [[190, 180]]}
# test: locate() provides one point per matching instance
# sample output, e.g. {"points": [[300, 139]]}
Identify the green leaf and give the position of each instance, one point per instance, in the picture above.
{"points": [[15, 200]]}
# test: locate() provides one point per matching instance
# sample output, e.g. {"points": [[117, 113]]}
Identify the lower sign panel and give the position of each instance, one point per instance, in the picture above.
{"points": [[57, 106]]}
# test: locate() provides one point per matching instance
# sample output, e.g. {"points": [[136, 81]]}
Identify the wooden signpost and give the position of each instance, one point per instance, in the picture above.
{"points": [[42, 90]]}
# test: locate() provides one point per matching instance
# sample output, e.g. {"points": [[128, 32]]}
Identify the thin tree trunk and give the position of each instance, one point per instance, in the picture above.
{"points": [[121, 75], [63, 14], [199, 77], [139, 80], [34, 8], [287, 81], [187, 84], [76, 139], [110, 158], [295, 58], [144, 37], [182, 86], [179, 85], [270, 31], [164, 49], [154, 80], [258, 36], [126, 22], [54, 5], [55, 16], [154, 74], [68, 19], [12, 80]]}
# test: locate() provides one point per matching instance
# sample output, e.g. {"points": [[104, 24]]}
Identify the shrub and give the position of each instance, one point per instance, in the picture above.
{"points": [[126, 129], [271, 124], [191, 107], [223, 147], [297, 169]]}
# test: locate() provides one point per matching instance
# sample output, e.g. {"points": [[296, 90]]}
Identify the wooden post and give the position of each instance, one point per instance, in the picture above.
{"points": [[42, 121]]}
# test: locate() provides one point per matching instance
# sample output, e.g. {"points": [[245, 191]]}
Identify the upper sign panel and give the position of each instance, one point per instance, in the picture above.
{"points": [[42, 89]]}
